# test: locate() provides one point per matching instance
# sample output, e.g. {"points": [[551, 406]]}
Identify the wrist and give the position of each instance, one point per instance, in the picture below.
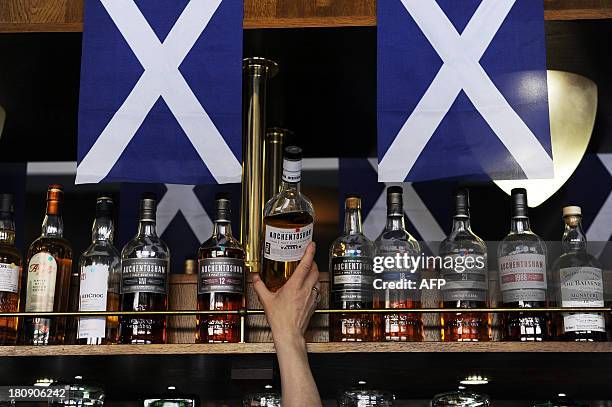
{"points": [[289, 341]]}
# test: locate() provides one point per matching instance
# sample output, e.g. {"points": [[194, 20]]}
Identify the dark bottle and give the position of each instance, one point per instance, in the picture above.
{"points": [[145, 266], [10, 271], [578, 283], [49, 267], [522, 277], [220, 280], [464, 268]]}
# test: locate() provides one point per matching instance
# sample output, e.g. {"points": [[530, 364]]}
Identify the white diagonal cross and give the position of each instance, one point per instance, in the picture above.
{"points": [[161, 78], [461, 70], [182, 198], [601, 228], [414, 208]]}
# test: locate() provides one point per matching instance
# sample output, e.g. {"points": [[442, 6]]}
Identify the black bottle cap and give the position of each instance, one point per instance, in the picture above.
{"points": [[395, 205], [293, 153], [148, 206], [104, 206], [462, 202], [6, 203], [519, 203], [224, 208]]}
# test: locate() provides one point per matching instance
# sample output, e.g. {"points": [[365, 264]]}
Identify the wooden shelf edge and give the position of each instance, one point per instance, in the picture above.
{"points": [[314, 348]]}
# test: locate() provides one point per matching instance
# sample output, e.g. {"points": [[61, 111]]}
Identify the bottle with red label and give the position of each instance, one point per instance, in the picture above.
{"points": [[220, 280], [10, 271]]}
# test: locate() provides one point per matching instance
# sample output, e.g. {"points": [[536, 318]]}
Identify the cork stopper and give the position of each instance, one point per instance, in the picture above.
{"points": [[190, 266], [572, 211], [352, 202]]}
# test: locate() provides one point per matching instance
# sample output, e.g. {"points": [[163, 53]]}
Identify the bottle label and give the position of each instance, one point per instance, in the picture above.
{"points": [[42, 273], [223, 275], [92, 297], [144, 275], [582, 287], [292, 171], [522, 277], [352, 279], [286, 244], [465, 276], [9, 278]]}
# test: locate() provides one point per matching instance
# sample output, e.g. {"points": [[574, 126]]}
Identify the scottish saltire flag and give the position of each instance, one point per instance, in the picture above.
{"points": [[160, 96], [185, 215], [462, 90]]}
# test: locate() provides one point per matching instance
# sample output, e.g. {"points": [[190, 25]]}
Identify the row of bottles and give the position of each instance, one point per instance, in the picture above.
{"points": [[522, 265]]}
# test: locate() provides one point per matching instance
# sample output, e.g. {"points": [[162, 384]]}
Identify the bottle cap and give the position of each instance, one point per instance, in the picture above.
{"points": [[224, 208], [352, 202], [395, 205], [6, 203], [55, 195], [104, 206], [148, 206], [519, 203], [292, 165], [190, 266], [572, 211], [293, 153], [462, 202]]}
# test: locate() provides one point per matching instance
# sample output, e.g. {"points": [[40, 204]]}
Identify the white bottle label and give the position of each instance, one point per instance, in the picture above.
{"points": [[582, 287], [286, 244], [42, 273], [522, 277], [9, 278], [92, 297], [292, 171]]}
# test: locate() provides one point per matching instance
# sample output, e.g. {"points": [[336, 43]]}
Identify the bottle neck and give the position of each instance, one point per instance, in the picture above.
{"points": [[7, 228], [461, 223], [292, 175], [146, 227], [352, 222], [222, 228], [395, 221], [574, 239], [520, 224], [103, 230], [287, 186]]}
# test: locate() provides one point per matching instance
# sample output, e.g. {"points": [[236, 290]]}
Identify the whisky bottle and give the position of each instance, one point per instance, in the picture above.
{"points": [[522, 276], [351, 265], [48, 282], [99, 280], [395, 242], [10, 271], [578, 283], [464, 268], [288, 224], [145, 266], [220, 280]]}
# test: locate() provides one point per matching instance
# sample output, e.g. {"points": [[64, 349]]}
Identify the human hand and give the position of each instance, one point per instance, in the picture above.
{"points": [[289, 309]]}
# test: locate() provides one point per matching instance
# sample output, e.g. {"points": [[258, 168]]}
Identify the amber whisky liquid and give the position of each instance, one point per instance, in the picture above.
{"points": [[465, 326], [10, 262]]}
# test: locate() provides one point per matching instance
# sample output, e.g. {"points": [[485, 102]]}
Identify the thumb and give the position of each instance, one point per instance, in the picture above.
{"points": [[260, 288]]}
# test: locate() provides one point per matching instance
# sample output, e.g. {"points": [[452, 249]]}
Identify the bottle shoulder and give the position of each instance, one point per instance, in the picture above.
{"points": [[56, 246], [462, 241], [10, 254], [145, 247], [99, 251], [221, 246], [521, 243], [576, 259], [353, 245], [399, 241], [288, 201]]}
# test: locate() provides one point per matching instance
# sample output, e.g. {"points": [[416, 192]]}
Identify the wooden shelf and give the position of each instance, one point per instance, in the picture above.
{"points": [[67, 15]]}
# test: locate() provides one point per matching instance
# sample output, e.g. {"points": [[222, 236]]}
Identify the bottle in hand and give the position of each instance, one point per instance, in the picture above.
{"points": [[220, 280], [351, 266], [288, 224], [466, 278], [145, 266], [10, 271], [393, 241], [578, 283], [99, 280], [48, 282], [522, 277]]}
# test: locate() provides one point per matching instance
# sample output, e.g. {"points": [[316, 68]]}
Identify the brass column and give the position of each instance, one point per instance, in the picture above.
{"points": [[256, 71], [276, 138]]}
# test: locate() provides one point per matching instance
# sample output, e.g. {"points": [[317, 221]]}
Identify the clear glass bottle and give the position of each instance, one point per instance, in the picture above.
{"points": [[220, 280], [266, 398], [49, 267], [395, 242], [172, 398], [363, 396], [351, 261], [288, 224], [99, 280], [578, 283], [145, 268], [522, 276], [10, 271], [464, 268], [460, 399]]}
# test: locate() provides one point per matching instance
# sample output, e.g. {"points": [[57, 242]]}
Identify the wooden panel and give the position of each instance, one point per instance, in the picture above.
{"points": [[183, 296], [67, 15]]}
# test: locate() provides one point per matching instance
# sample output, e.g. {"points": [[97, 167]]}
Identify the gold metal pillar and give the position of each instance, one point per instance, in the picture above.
{"points": [[256, 71], [276, 138]]}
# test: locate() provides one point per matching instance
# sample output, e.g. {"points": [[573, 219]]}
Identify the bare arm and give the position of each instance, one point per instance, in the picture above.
{"points": [[288, 311]]}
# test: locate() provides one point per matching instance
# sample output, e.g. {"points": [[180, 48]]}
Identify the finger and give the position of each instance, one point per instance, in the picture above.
{"points": [[313, 276], [301, 272], [260, 288], [311, 306]]}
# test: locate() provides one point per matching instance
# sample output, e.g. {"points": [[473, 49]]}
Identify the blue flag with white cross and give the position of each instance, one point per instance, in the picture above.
{"points": [[462, 90], [160, 97]]}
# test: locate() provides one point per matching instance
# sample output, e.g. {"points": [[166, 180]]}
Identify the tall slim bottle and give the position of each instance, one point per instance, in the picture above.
{"points": [[220, 280], [145, 266], [10, 271], [579, 283], [465, 271], [522, 276], [99, 280], [48, 284], [288, 224], [395, 242], [351, 261]]}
